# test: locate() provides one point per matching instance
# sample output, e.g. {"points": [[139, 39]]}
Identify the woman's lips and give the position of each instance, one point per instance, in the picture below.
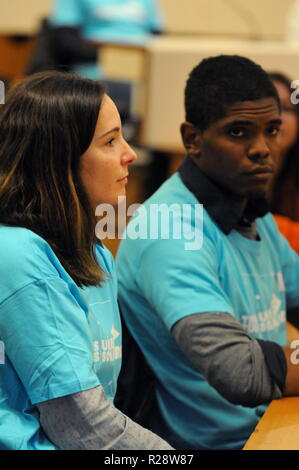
{"points": [[123, 180]]}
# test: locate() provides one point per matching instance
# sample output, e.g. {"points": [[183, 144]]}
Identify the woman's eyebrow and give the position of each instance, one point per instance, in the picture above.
{"points": [[115, 129]]}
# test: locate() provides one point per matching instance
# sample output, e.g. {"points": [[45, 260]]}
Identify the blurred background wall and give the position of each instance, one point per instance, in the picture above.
{"points": [[256, 19]]}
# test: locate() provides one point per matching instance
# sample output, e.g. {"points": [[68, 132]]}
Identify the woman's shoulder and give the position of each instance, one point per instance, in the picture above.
{"points": [[25, 256], [17, 239]]}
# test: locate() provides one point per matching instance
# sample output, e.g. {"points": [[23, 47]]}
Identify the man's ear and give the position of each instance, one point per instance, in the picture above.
{"points": [[191, 137]]}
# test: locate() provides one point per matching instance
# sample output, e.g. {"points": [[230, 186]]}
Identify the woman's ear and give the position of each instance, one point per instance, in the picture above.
{"points": [[191, 137]]}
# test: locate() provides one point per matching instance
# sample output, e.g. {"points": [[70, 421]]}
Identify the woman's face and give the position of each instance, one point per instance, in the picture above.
{"points": [[104, 165], [289, 128]]}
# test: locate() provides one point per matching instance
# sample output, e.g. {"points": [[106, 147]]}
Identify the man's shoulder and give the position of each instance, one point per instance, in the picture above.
{"points": [[171, 223], [267, 223], [173, 190]]}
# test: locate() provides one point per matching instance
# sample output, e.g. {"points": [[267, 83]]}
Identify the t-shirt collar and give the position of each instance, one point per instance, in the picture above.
{"points": [[217, 201]]}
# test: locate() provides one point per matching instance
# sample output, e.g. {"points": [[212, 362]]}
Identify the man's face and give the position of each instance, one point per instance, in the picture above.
{"points": [[238, 152]]}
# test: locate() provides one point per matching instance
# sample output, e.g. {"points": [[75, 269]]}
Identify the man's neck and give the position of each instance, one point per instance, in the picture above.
{"points": [[225, 208], [239, 202]]}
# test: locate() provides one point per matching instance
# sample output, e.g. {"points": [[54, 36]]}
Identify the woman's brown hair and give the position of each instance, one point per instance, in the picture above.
{"points": [[46, 124]]}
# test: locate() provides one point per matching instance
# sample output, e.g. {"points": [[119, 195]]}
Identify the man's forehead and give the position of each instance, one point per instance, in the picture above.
{"points": [[263, 107]]}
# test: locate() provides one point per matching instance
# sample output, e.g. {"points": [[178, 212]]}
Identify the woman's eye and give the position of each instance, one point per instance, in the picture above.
{"points": [[111, 141]]}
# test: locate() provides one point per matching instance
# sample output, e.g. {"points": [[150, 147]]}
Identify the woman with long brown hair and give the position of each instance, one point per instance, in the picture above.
{"points": [[62, 154]]}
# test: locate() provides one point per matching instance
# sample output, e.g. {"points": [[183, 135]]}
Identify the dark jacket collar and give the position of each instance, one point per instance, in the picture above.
{"points": [[218, 202]]}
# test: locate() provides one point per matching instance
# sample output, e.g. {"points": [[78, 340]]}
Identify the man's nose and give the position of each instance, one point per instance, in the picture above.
{"points": [[259, 148]]}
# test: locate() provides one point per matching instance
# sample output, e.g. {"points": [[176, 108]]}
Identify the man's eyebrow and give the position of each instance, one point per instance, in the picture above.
{"points": [[115, 129], [240, 122]]}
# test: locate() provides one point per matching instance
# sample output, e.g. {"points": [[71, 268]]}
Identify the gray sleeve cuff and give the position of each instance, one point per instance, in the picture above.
{"points": [[230, 360], [87, 421]]}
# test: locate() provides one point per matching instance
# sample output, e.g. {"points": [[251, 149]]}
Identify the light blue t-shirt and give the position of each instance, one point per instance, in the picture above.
{"points": [[58, 339], [118, 21], [161, 282]]}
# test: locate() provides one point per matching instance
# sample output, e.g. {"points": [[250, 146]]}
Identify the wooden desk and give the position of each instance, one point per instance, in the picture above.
{"points": [[279, 427]]}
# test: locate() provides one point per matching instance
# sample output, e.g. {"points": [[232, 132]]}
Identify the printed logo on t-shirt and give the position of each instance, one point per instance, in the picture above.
{"points": [[108, 352], [267, 320]]}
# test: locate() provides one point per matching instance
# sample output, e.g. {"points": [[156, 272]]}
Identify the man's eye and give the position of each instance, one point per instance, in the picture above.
{"points": [[237, 132], [273, 130]]}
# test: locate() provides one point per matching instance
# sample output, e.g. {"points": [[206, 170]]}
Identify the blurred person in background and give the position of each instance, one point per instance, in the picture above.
{"points": [[69, 35], [284, 193], [78, 24], [284, 190]]}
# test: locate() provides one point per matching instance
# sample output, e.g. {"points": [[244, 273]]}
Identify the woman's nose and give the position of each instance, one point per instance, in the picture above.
{"points": [[129, 155]]}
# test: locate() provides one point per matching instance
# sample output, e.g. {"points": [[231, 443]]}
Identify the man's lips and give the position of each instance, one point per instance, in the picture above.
{"points": [[260, 171]]}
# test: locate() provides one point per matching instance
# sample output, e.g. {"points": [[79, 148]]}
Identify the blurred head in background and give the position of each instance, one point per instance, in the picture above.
{"points": [[284, 197], [289, 115]]}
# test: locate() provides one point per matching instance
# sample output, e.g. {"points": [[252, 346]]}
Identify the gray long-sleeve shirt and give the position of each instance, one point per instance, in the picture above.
{"points": [[230, 359], [87, 421]]}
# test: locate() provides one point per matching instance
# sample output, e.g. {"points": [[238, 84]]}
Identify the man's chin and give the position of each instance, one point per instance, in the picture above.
{"points": [[257, 193]]}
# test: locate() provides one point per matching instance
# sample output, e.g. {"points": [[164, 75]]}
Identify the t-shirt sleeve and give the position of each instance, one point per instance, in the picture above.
{"points": [[67, 13], [47, 340], [179, 282]]}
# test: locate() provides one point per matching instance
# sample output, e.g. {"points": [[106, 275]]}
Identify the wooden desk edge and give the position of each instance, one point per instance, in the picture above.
{"points": [[278, 429]]}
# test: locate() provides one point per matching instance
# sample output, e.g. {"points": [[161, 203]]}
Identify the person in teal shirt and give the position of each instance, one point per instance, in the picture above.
{"points": [[205, 277], [108, 21], [60, 328]]}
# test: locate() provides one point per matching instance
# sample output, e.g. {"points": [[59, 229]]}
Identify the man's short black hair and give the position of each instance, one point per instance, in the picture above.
{"points": [[217, 82]]}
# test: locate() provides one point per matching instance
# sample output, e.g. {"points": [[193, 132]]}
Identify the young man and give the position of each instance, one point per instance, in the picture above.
{"points": [[210, 319]]}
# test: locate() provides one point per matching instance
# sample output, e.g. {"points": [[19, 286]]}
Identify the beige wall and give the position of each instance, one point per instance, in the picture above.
{"points": [[254, 18], [22, 16], [245, 18]]}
